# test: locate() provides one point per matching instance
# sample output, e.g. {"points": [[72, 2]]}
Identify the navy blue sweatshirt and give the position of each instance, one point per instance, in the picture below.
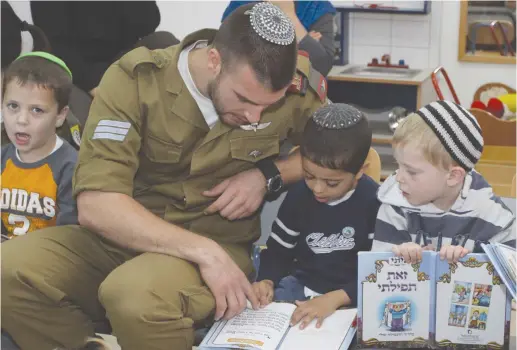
{"points": [[318, 242]]}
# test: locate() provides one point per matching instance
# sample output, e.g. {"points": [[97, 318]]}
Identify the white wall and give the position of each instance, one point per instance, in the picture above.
{"points": [[467, 76], [424, 41], [408, 37], [184, 17]]}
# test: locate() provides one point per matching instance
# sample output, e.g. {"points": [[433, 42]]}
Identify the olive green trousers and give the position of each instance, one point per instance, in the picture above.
{"points": [[62, 284]]}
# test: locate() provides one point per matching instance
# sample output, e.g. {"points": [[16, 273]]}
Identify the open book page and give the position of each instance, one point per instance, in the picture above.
{"points": [[330, 336], [257, 329], [503, 259], [507, 256]]}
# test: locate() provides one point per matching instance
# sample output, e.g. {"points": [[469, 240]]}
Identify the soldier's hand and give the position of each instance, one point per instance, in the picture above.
{"points": [[228, 284], [239, 196]]}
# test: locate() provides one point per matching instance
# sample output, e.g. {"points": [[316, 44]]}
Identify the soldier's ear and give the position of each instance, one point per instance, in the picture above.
{"points": [[214, 61], [60, 119]]}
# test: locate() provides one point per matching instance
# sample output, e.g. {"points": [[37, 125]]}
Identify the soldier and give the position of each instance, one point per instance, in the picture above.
{"points": [[175, 160]]}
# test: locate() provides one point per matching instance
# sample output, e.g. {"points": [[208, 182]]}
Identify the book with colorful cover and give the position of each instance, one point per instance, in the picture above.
{"points": [[432, 304], [394, 301]]}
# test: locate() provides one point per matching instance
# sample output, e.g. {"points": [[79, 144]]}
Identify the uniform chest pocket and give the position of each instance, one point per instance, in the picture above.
{"points": [[254, 148], [159, 151]]}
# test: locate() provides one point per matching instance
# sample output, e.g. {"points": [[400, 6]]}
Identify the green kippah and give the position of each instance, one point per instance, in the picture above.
{"points": [[49, 57]]}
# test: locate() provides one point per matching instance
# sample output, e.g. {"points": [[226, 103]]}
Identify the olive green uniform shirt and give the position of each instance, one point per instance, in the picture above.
{"points": [[146, 137]]}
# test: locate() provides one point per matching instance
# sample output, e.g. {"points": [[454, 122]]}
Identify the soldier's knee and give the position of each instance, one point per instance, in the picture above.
{"points": [[14, 263], [135, 303], [124, 300]]}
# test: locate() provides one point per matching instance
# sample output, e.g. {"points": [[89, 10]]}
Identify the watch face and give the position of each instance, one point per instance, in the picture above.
{"points": [[275, 184]]}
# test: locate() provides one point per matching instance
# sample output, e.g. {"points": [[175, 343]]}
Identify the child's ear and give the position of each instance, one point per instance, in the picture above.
{"points": [[62, 116], [456, 176]]}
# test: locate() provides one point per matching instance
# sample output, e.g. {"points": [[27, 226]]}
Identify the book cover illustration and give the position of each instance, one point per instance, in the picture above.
{"points": [[394, 303], [472, 306]]}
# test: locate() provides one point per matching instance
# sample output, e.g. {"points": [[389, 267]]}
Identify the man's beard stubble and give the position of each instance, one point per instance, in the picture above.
{"points": [[212, 91]]}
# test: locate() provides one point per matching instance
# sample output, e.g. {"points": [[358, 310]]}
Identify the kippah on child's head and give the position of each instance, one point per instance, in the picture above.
{"points": [[337, 136], [457, 129]]}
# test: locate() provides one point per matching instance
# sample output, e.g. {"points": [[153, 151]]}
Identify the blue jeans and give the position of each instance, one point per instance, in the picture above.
{"points": [[290, 289]]}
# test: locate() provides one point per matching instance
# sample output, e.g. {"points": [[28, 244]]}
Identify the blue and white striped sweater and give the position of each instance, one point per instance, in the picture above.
{"points": [[477, 212]]}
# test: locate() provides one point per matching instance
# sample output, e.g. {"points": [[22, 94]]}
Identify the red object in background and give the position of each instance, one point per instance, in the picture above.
{"points": [[496, 107], [478, 105], [436, 84], [386, 58], [376, 6]]}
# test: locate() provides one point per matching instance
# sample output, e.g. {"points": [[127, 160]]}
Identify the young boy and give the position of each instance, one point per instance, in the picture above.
{"points": [[436, 198], [323, 221], [37, 165]]}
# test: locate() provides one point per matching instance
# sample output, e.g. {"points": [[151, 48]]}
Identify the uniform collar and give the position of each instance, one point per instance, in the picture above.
{"points": [[174, 82], [184, 104]]}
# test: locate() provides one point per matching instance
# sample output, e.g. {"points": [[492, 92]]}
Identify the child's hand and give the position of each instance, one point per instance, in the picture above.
{"points": [[411, 252], [453, 253], [264, 291], [320, 307]]}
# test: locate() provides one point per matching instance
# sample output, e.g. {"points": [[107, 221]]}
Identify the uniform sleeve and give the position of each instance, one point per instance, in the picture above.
{"points": [[276, 261], [390, 228], [67, 214], [321, 52], [302, 108], [108, 158]]}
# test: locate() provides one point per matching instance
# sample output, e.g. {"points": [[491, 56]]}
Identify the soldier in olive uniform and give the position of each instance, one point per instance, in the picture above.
{"points": [[176, 158]]}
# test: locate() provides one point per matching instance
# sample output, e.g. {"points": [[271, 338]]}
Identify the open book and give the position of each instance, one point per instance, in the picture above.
{"points": [[503, 258], [431, 304], [268, 329]]}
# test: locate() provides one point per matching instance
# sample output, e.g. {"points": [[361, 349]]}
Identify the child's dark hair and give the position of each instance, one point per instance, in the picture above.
{"points": [[337, 137], [42, 72]]}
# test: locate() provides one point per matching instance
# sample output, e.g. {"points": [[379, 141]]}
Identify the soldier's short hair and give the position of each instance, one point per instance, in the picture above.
{"points": [[43, 73], [237, 41]]}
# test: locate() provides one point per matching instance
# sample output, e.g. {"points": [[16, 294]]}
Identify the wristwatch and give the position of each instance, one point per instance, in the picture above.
{"points": [[274, 183]]}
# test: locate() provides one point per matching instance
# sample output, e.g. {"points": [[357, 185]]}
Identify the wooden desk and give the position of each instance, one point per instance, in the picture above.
{"points": [[498, 167]]}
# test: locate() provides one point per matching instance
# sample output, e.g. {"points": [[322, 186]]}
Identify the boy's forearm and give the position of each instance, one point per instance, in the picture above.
{"points": [[339, 298]]}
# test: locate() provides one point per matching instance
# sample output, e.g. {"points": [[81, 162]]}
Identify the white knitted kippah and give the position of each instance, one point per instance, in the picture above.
{"points": [[457, 129], [271, 23]]}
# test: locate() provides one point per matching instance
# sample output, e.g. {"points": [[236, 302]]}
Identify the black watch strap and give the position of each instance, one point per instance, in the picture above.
{"points": [[273, 179]]}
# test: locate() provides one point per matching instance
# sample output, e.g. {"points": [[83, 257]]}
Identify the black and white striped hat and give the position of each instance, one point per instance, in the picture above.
{"points": [[457, 129]]}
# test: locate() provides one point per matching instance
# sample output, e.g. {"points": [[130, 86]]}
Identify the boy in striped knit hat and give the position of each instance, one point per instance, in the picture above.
{"points": [[436, 200]]}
